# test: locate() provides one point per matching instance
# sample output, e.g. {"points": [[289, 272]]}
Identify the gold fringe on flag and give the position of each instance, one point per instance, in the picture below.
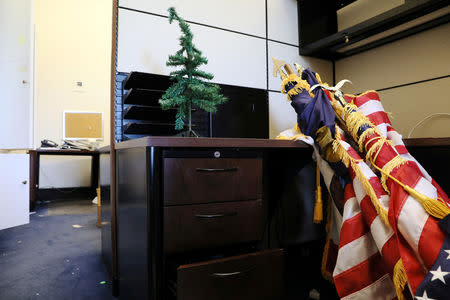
{"points": [[350, 161], [294, 137], [363, 137], [300, 84], [354, 120], [337, 107], [400, 279]]}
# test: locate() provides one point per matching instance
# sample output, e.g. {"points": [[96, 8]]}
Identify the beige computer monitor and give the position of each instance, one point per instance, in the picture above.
{"points": [[82, 125]]}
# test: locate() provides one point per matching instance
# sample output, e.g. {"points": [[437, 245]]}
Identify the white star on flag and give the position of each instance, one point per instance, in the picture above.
{"points": [[424, 297], [448, 252], [438, 274]]}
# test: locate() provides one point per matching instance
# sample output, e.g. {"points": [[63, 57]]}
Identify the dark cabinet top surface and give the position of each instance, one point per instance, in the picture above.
{"points": [[164, 141], [155, 141]]}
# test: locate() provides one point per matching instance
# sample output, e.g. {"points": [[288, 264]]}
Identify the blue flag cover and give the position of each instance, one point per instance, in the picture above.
{"points": [[312, 113], [436, 284]]}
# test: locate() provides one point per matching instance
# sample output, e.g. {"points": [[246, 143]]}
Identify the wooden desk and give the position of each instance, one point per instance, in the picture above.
{"points": [[140, 203], [183, 201], [35, 162]]}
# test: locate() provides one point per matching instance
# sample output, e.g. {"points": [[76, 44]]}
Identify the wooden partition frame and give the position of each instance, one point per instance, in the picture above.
{"points": [[114, 260]]}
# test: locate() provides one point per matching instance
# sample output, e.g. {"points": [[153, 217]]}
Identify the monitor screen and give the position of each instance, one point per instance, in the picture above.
{"points": [[82, 125]]}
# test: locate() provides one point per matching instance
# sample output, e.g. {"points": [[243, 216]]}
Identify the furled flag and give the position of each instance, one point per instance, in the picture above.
{"points": [[383, 233]]}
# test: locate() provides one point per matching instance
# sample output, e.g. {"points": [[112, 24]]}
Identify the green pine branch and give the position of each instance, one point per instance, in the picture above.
{"points": [[202, 74], [179, 118]]}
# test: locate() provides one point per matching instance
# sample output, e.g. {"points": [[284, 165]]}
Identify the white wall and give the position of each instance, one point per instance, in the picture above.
{"points": [[231, 34], [73, 43], [420, 57], [16, 74]]}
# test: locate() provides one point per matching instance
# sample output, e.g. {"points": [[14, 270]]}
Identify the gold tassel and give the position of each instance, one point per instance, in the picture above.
{"points": [[318, 206], [433, 206], [400, 279]]}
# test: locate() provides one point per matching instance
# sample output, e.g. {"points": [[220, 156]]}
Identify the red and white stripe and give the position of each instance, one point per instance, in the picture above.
{"points": [[365, 258], [368, 248]]}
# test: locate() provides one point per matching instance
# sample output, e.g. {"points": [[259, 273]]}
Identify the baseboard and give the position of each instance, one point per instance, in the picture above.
{"points": [[65, 193]]}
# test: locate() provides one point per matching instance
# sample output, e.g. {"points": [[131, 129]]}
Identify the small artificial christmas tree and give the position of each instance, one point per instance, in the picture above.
{"points": [[190, 87]]}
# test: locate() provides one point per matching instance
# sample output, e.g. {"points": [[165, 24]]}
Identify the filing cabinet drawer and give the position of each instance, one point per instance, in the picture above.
{"points": [[200, 226], [207, 180], [245, 277]]}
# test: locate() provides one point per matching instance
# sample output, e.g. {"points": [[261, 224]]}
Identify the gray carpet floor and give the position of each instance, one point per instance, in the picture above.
{"points": [[50, 259]]}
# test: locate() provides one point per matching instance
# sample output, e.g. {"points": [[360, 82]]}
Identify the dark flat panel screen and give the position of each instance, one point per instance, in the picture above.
{"points": [[245, 115]]}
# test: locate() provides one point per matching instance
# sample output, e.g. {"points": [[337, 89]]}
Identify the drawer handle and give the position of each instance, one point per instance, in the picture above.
{"points": [[230, 214], [234, 169], [231, 274]]}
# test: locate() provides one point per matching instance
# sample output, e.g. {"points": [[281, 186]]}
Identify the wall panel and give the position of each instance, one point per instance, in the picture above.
{"points": [[411, 104], [244, 16], [281, 114], [282, 21], [232, 34], [145, 41], [54, 171], [72, 44], [290, 55], [422, 56]]}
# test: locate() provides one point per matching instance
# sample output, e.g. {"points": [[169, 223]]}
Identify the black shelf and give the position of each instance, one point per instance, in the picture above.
{"points": [[244, 115], [150, 129], [319, 36], [146, 81], [143, 97], [135, 112]]}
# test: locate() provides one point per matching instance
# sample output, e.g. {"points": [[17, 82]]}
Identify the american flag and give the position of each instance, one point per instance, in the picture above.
{"points": [[381, 245], [368, 249]]}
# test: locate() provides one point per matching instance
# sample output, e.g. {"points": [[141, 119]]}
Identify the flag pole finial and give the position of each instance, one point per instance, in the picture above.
{"points": [[277, 64], [299, 68]]}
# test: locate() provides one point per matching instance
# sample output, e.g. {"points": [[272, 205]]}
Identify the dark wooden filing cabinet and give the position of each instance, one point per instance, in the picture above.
{"points": [[192, 217]]}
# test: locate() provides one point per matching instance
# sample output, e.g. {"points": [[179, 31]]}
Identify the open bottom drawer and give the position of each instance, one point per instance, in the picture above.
{"points": [[250, 276]]}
